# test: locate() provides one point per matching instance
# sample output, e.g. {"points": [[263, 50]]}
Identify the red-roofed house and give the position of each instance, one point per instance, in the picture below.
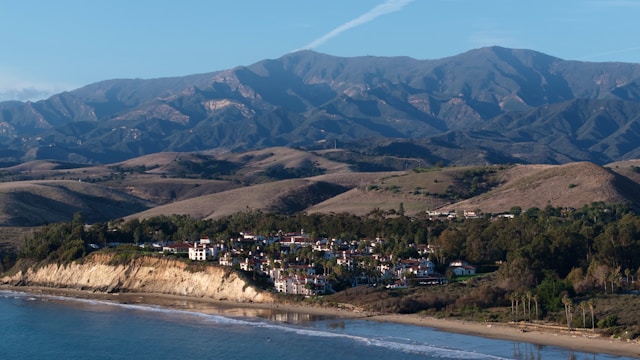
{"points": [[461, 268]]}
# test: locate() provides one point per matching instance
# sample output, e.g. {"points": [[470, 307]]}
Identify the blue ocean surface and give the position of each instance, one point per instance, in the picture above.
{"points": [[50, 327]]}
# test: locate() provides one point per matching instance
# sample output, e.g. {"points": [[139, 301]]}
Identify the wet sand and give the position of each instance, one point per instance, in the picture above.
{"points": [[577, 340]]}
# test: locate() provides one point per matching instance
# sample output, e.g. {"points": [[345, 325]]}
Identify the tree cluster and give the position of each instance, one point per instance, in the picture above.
{"points": [[548, 253]]}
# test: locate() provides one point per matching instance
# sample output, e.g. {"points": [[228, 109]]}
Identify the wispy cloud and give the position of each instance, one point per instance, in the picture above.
{"points": [[13, 87], [387, 7], [25, 94]]}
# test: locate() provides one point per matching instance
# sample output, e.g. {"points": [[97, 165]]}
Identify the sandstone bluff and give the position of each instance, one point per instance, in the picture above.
{"points": [[99, 272]]}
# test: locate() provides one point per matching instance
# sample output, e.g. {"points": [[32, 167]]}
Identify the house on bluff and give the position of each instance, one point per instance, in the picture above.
{"points": [[203, 250]]}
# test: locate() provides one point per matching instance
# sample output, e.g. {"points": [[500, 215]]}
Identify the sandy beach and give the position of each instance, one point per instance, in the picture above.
{"points": [[582, 341]]}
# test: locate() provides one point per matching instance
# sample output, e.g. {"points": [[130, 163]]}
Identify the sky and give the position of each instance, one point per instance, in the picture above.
{"points": [[49, 46]]}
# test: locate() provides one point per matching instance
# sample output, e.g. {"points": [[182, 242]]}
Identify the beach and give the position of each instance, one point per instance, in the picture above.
{"points": [[583, 341]]}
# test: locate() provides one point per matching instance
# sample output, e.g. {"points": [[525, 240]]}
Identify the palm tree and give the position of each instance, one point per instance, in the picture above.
{"points": [[513, 298], [517, 299], [591, 305], [567, 309], [528, 296], [535, 300], [583, 307]]}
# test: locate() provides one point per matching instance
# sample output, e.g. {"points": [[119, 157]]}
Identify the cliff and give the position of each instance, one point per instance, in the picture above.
{"points": [[104, 272]]}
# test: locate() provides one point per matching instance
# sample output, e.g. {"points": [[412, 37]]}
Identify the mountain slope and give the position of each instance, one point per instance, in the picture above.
{"points": [[289, 181], [285, 196], [503, 102], [32, 203], [571, 185]]}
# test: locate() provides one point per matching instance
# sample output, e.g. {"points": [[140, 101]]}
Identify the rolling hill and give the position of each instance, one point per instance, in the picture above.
{"points": [[39, 192]]}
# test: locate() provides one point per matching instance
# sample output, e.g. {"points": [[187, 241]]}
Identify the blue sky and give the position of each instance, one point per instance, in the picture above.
{"points": [[53, 45]]}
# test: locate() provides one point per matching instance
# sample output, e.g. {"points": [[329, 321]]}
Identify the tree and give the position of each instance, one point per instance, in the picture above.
{"points": [[514, 309], [568, 304], [532, 212], [550, 291], [535, 300], [614, 278], [627, 274], [583, 306], [78, 219], [600, 273], [449, 244], [515, 210], [528, 296], [591, 305]]}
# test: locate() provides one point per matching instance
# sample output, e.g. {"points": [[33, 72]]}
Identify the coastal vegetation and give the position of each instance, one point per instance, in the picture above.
{"points": [[577, 267]]}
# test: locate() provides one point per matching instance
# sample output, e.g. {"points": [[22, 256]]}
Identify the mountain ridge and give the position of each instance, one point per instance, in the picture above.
{"points": [[312, 100]]}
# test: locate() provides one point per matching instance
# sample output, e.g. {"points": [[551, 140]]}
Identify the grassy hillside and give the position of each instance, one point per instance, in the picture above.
{"points": [[29, 203], [211, 185], [571, 185]]}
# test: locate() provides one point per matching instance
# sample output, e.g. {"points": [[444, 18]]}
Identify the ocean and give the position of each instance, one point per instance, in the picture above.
{"points": [[51, 327]]}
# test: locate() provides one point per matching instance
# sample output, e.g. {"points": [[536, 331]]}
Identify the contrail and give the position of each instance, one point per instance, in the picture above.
{"points": [[387, 7]]}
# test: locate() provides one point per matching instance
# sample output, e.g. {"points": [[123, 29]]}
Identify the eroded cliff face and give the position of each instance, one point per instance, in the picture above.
{"points": [[143, 274]]}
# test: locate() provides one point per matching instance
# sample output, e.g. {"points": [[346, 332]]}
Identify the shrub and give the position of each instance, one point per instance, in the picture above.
{"points": [[608, 322]]}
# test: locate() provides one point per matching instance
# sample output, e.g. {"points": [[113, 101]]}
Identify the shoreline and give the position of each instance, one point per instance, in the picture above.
{"points": [[580, 341]]}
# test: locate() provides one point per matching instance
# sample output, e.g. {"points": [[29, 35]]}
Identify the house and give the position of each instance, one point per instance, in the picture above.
{"points": [[418, 267], [470, 214], [301, 285], [203, 251], [249, 236], [451, 214], [345, 258], [177, 248], [280, 284], [198, 252], [297, 240], [228, 260], [385, 271], [249, 264], [322, 245], [461, 268]]}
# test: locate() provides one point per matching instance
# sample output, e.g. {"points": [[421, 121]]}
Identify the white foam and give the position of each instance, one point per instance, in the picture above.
{"points": [[414, 348]]}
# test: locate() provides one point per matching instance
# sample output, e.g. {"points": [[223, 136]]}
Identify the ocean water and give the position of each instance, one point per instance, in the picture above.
{"points": [[49, 327]]}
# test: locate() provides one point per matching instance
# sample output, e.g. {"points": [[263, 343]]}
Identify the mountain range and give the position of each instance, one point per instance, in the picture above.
{"points": [[486, 106]]}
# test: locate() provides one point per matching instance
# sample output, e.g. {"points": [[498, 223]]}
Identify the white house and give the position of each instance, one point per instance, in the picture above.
{"points": [[419, 267], [198, 253], [202, 252], [228, 260], [308, 285], [461, 268], [471, 214], [177, 248]]}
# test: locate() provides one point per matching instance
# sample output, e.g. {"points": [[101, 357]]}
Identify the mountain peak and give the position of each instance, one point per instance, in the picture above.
{"points": [[501, 102]]}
